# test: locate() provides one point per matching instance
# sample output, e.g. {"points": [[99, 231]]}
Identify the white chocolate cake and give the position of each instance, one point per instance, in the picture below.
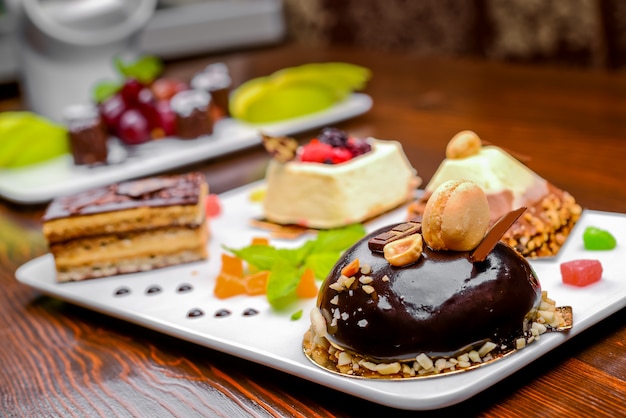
{"points": [[318, 195], [509, 184]]}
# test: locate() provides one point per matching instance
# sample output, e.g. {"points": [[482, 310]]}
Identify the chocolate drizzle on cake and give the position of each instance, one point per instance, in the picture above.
{"points": [[158, 191]]}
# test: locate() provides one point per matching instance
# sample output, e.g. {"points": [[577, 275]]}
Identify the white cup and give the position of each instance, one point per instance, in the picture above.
{"points": [[66, 47]]}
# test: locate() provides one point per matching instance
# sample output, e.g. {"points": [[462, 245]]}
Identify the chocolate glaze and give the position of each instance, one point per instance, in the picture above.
{"points": [[438, 305], [153, 192]]}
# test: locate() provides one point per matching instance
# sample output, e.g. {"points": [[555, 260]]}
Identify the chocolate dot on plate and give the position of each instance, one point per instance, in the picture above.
{"points": [[122, 291], [195, 313], [250, 312], [153, 290], [184, 288], [222, 313]]}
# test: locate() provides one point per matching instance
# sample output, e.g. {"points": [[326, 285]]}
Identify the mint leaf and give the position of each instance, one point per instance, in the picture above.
{"points": [[104, 90], [286, 265], [262, 257], [145, 69], [282, 284], [296, 315], [338, 239], [322, 263]]}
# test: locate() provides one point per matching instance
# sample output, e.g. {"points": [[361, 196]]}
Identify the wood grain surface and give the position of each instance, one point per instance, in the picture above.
{"points": [[59, 360]]}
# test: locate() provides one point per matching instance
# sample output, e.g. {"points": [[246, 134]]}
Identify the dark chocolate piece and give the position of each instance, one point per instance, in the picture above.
{"points": [[193, 118], [378, 242], [87, 134], [141, 187], [173, 190], [494, 234]]}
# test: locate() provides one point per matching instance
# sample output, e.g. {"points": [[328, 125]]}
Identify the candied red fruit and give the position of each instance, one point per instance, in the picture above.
{"points": [[316, 152], [581, 272], [212, 205]]}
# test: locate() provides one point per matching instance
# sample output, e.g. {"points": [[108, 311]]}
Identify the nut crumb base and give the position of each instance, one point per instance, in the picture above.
{"points": [[331, 358]]}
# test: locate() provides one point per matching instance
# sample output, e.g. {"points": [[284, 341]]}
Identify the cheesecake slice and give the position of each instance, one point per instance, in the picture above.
{"points": [[330, 195]]}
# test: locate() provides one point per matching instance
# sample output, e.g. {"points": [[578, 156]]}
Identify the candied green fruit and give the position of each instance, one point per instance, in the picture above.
{"points": [[598, 239]]}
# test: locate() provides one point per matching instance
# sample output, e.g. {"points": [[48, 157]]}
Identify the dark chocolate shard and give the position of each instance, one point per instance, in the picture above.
{"points": [[377, 243], [494, 235], [139, 188]]}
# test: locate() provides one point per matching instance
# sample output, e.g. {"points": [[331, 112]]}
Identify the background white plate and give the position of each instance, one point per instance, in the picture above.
{"points": [[42, 182], [273, 339]]}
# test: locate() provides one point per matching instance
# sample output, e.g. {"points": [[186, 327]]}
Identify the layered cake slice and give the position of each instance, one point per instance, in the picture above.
{"points": [[336, 180], [128, 227], [509, 185]]}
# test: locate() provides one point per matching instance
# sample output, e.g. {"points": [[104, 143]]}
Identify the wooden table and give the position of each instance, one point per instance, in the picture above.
{"points": [[57, 359]]}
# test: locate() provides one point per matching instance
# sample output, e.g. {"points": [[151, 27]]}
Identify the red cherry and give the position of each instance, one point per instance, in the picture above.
{"points": [[130, 91], [146, 104], [166, 88], [111, 110], [166, 117], [133, 128]]}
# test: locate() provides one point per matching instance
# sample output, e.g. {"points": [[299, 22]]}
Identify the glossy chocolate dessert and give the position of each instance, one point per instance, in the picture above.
{"points": [[438, 305], [433, 295]]}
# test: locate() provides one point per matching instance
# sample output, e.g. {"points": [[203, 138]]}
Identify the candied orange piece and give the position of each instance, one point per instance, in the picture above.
{"points": [[232, 265], [351, 269], [256, 284], [260, 241], [307, 288], [228, 285]]}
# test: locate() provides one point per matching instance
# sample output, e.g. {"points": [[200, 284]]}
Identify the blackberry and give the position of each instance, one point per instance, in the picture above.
{"points": [[358, 146], [333, 137]]}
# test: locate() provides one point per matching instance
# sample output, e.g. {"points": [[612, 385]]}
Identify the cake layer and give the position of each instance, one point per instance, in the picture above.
{"points": [[128, 206], [323, 196], [111, 254]]}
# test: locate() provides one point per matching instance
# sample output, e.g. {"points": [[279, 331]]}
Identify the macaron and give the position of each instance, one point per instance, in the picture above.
{"points": [[456, 216]]}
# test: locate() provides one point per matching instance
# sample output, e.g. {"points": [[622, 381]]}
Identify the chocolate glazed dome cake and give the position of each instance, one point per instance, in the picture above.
{"points": [[439, 305], [429, 296]]}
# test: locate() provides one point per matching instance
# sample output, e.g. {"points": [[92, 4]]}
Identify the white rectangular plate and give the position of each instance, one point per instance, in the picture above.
{"points": [[42, 182], [273, 339]]}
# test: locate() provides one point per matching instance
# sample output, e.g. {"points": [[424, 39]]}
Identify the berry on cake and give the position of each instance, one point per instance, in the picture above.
{"points": [[335, 179]]}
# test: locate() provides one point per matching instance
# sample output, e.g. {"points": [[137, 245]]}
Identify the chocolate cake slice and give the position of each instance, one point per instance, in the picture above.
{"points": [[128, 227]]}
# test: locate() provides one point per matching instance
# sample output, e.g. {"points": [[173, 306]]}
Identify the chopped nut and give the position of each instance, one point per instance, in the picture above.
{"points": [[462, 145], [318, 322], [366, 279], [388, 368], [368, 289], [344, 358], [486, 348], [366, 269], [424, 361], [404, 251]]}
